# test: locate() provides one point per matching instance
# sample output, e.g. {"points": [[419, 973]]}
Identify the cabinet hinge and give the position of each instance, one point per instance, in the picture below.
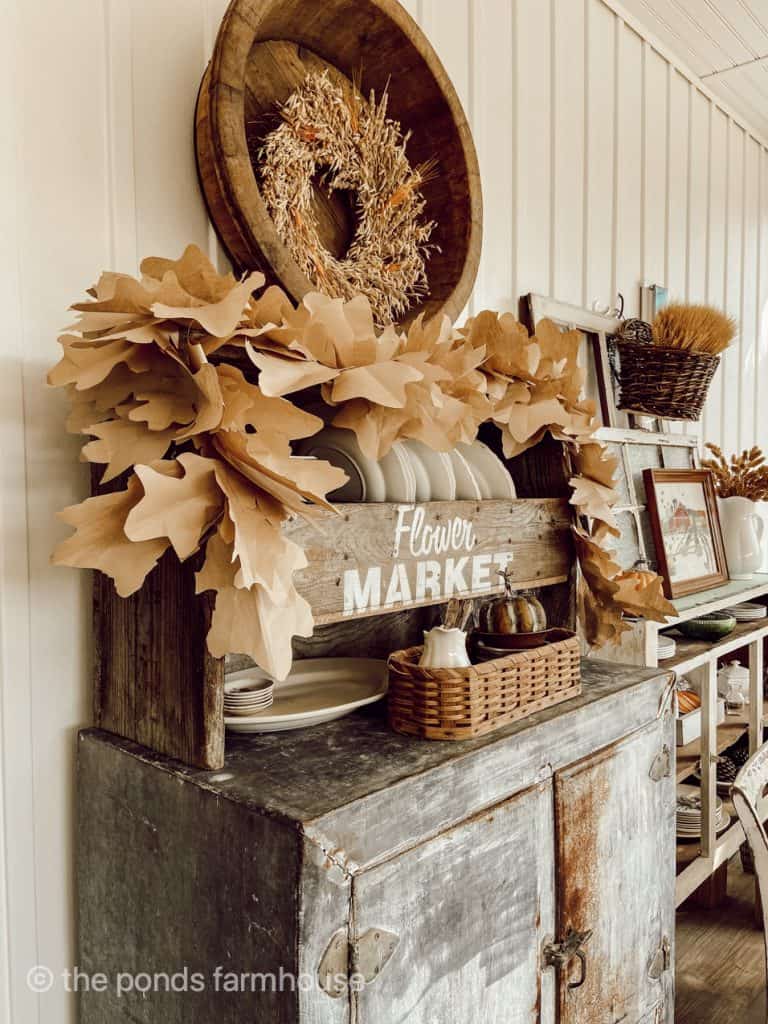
{"points": [[662, 765], [358, 962], [662, 960]]}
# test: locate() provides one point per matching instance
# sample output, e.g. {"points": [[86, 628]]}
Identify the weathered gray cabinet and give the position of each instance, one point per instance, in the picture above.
{"points": [[347, 875]]}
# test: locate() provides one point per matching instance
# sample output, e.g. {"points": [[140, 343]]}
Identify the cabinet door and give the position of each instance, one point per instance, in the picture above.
{"points": [[469, 910], [615, 828]]}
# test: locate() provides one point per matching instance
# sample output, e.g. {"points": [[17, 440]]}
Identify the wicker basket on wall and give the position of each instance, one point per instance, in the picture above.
{"points": [[462, 703], [671, 383]]}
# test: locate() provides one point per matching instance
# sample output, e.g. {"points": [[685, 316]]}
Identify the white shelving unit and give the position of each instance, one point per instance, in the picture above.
{"points": [[698, 661]]}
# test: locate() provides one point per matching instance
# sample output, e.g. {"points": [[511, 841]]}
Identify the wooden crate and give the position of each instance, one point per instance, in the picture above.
{"points": [[156, 683]]}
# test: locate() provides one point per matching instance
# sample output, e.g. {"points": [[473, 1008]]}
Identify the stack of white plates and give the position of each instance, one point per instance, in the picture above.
{"points": [[747, 612], [667, 648], [689, 813], [410, 471], [317, 690], [247, 695]]}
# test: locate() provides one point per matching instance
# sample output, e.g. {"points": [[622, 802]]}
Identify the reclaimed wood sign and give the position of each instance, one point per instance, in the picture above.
{"points": [[378, 558]]}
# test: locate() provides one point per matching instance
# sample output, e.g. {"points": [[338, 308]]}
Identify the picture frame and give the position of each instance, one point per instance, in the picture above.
{"points": [[682, 508]]}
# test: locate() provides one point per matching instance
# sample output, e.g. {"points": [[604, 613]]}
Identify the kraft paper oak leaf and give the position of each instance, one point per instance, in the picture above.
{"points": [[180, 508], [85, 365], [266, 557], [194, 272], [279, 376], [122, 444], [219, 319], [596, 462], [250, 622], [209, 403], [376, 427], [100, 541], [246, 405], [268, 464], [647, 600], [379, 383], [595, 500], [219, 567], [162, 404]]}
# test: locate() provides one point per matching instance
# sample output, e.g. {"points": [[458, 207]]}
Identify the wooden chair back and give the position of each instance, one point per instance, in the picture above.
{"points": [[748, 795]]}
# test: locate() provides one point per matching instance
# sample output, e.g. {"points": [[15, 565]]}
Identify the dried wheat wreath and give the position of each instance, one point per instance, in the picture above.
{"points": [[329, 130]]}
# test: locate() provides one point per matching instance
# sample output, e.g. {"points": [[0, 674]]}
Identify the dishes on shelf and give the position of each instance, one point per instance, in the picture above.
{"points": [[248, 694], [439, 469], [667, 648], [712, 627], [467, 487], [689, 813], [489, 471], [748, 612], [410, 471], [318, 690]]}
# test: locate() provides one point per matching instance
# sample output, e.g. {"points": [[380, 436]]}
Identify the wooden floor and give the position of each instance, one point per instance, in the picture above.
{"points": [[720, 960]]}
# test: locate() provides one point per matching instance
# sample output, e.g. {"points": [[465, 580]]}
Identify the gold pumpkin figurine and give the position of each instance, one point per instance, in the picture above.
{"points": [[513, 613]]}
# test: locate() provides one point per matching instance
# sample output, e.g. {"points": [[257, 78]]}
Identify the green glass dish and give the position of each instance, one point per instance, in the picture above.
{"points": [[714, 626]]}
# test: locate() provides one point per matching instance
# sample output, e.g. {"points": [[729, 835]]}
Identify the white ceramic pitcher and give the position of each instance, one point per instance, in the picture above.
{"points": [[742, 535], [445, 648]]}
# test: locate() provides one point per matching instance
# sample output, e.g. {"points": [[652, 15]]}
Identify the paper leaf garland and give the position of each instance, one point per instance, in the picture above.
{"points": [[206, 450]]}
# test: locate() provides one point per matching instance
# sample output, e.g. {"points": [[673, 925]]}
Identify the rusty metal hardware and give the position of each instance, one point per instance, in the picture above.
{"points": [[560, 954], [365, 957], [662, 765]]}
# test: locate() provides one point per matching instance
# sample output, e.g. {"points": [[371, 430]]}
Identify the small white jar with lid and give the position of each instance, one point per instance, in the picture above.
{"points": [[733, 680]]}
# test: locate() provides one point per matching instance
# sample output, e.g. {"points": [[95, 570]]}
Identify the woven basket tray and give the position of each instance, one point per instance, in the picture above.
{"points": [[458, 704], [668, 382]]}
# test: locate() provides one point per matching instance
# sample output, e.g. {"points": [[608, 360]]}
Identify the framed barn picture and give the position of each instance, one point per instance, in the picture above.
{"points": [[682, 508]]}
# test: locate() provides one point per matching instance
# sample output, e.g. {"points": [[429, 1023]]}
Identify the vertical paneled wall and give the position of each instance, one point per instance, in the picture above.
{"points": [[603, 166]]}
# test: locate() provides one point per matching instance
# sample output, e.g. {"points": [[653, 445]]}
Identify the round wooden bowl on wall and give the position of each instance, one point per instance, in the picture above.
{"points": [[263, 51]]}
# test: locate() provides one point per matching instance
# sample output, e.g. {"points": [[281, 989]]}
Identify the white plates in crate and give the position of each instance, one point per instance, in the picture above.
{"points": [[340, 448], [467, 488], [399, 476], [439, 469], [489, 471], [420, 474], [318, 690], [748, 612]]}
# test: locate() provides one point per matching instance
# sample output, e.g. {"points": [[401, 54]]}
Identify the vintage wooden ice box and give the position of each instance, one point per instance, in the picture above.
{"points": [[347, 874]]}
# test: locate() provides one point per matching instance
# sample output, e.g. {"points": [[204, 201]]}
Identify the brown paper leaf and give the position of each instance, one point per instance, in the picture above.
{"points": [[181, 509], [220, 566], [594, 500], [280, 376], [380, 383], [250, 622], [245, 405], [122, 444], [194, 272], [265, 555], [100, 541], [219, 319], [596, 462]]}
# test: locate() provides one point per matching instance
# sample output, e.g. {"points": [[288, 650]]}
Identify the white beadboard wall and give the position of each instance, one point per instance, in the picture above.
{"points": [[605, 165]]}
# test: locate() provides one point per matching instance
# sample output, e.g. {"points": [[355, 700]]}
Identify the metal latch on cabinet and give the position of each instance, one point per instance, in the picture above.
{"points": [[560, 954], [355, 962]]}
